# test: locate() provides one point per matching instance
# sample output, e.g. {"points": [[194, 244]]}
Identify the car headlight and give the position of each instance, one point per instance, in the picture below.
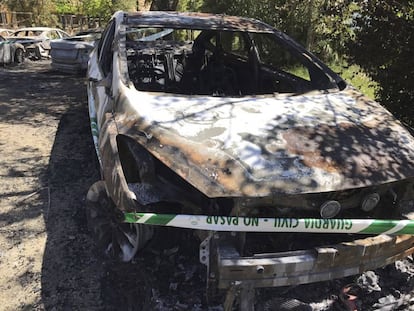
{"points": [[370, 202], [330, 209]]}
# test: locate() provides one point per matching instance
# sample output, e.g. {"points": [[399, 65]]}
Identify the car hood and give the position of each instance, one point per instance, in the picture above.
{"points": [[265, 145]]}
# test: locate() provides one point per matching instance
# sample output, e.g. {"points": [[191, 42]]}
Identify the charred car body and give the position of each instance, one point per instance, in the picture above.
{"points": [[36, 40], [225, 116]]}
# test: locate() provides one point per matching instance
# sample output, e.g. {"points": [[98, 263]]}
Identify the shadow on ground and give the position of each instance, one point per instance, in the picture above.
{"points": [[71, 273]]}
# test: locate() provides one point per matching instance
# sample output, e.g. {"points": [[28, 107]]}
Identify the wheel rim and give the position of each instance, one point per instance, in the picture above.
{"points": [[114, 239]]}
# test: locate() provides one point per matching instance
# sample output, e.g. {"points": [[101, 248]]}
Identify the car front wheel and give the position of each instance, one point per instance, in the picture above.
{"points": [[113, 238]]}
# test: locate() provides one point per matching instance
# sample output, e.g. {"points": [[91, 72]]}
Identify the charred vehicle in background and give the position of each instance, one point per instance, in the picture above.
{"points": [[225, 117], [71, 54], [36, 40], [11, 52]]}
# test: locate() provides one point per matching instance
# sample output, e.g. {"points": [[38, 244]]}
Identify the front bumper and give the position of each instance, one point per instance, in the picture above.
{"points": [[227, 267], [224, 239]]}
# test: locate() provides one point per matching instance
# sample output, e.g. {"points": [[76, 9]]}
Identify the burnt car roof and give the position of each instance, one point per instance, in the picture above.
{"points": [[196, 21]]}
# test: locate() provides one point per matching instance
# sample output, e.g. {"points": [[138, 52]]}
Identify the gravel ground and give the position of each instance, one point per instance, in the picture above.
{"points": [[47, 259]]}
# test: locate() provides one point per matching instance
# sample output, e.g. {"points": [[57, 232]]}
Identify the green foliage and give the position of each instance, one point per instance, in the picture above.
{"points": [[66, 6], [93, 8], [41, 11], [123, 5], [97, 8], [323, 26], [190, 5], [44, 9], [355, 75], [383, 46]]}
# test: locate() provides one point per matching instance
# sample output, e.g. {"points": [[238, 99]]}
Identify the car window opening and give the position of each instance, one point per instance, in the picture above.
{"points": [[217, 63]]}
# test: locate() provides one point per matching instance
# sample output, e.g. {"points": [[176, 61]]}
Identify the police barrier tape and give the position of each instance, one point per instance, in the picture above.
{"points": [[256, 224]]}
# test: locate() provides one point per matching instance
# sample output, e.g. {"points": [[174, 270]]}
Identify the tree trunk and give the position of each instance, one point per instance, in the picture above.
{"points": [[164, 5], [310, 36]]}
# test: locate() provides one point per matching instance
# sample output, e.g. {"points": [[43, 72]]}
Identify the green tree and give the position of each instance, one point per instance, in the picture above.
{"points": [[42, 11], [383, 46], [94, 8], [190, 5], [97, 8], [123, 5], [322, 26], [67, 6]]}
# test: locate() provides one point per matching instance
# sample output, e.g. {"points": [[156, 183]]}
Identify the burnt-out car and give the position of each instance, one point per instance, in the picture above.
{"points": [[36, 40], [71, 54], [227, 126]]}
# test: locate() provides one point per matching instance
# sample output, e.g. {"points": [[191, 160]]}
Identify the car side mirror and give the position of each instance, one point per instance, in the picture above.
{"points": [[105, 82]]}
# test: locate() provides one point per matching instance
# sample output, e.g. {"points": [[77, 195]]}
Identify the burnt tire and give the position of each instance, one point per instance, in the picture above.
{"points": [[19, 56], [113, 238]]}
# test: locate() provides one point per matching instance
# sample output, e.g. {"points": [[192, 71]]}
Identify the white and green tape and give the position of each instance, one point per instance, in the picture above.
{"points": [[256, 224]]}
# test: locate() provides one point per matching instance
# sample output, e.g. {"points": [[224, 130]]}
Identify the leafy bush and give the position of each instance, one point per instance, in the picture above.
{"points": [[383, 46]]}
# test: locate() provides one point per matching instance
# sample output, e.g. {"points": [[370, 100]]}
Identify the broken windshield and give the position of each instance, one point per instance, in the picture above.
{"points": [[218, 63]]}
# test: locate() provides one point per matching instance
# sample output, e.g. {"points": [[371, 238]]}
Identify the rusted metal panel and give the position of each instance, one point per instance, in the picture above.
{"points": [[264, 145]]}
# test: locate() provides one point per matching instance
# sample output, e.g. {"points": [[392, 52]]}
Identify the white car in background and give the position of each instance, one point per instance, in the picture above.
{"points": [[36, 40], [71, 54]]}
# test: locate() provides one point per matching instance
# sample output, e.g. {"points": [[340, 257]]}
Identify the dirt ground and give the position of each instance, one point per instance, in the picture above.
{"points": [[47, 259]]}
